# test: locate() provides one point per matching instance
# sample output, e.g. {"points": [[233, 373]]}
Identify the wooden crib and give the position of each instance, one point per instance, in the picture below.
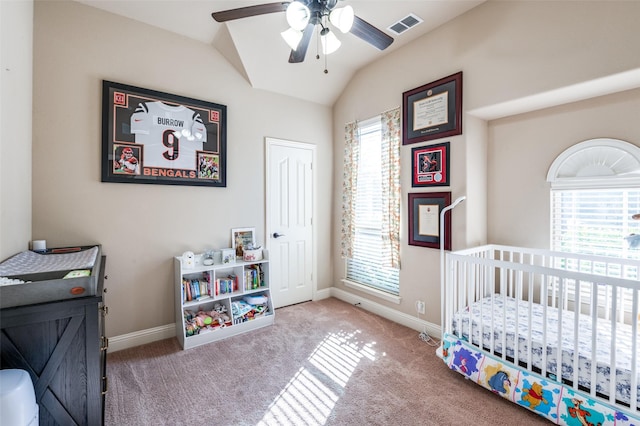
{"points": [[554, 332]]}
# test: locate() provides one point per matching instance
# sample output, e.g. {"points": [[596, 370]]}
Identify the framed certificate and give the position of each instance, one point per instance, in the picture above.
{"points": [[433, 111], [424, 219], [155, 137]]}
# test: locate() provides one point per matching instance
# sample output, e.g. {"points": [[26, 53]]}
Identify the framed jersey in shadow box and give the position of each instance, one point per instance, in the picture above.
{"points": [[154, 137], [430, 165]]}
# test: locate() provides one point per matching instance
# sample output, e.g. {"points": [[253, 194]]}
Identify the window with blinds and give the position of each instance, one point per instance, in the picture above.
{"points": [[595, 221], [594, 197], [366, 265]]}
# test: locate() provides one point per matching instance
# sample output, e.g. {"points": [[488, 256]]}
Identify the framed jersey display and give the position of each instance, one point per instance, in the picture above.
{"points": [[430, 165], [154, 137]]}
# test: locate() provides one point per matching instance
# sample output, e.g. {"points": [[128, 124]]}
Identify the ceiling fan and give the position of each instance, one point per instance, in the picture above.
{"points": [[304, 15]]}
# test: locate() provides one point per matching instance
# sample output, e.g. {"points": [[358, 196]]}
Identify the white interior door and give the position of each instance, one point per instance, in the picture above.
{"points": [[290, 231]]}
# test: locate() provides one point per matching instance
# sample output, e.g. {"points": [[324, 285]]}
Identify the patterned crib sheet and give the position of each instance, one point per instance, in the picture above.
{"points": [[506, 310]]}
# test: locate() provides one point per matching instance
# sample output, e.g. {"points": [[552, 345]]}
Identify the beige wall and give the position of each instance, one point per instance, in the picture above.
{"points": [[16, 72], [141, 227], [509, 52], [523, 148]]}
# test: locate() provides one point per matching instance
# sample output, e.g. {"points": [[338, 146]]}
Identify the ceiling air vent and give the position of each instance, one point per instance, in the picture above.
{"points": [[404, 24]]}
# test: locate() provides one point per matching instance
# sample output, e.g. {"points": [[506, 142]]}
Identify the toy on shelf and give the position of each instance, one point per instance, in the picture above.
{"points": [[208, 258], [195, 323], [188, 260], [248, 308]]}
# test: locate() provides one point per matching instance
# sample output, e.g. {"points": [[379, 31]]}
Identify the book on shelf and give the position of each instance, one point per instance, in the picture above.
{"points": [[197, 288], [226, 285], [254, 277]]}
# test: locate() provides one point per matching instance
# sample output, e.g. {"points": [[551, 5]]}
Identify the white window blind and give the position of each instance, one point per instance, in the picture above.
{"points": [[595, 221], [366, 265], [594, 196]]}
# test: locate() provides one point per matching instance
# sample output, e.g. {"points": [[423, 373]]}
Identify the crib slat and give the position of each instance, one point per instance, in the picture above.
{"points": [[516, 331], [469, 277], [607, 302], [559, 348], [503, 289], [453, 272], [613, 376], [479, 282], [462, 289], [576, 334], [510, 275], [634, 351], [594, 338], [492, 337], [473, 271], [545, 303], [530, 323], [447, 302]]}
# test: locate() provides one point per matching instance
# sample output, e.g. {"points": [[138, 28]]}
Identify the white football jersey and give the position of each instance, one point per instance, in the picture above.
{"points": [[171, 135]]}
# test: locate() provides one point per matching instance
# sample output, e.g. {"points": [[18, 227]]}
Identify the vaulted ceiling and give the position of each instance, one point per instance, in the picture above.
{"points": [[255, 48]]}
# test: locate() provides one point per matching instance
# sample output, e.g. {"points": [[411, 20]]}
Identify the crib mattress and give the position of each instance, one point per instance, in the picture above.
{"points": [[507, 309]]}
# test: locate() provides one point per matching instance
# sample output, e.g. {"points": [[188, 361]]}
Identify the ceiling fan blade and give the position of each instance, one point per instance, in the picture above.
{"points": [[299, 54], [245, 12], [370, 34]]}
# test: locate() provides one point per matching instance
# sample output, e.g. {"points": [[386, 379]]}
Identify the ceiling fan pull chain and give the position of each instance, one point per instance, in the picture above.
{"points": [[324, 18], [318, 45]]}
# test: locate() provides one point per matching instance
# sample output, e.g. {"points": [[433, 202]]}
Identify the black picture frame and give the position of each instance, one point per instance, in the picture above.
{"points": [[433, 111], [153, 137], [424, 219], [430, 165]]}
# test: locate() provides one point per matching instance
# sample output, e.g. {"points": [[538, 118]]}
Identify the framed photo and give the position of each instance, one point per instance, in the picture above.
{"points": [[433, 111], [430, 165], [241, 238], [154, 137], [424, 219]]}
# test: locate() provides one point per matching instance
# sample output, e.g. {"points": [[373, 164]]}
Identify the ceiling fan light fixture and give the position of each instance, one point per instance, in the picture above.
{"points": [[298, 15], [292, 37], [330, 42], [342, 18]]}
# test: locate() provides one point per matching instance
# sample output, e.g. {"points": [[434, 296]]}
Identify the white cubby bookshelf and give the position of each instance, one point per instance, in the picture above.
{"points": [[241, 289]]}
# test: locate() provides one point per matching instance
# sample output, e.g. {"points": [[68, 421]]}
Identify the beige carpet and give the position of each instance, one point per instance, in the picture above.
{"points": [[321, 363]]}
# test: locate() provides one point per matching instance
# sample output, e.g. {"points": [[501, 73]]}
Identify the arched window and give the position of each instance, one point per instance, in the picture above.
{"points": [[595, 193]]}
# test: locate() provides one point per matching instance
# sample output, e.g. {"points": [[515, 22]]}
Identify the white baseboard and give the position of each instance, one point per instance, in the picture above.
{"points": [[137, 338], [322, 294], [410, 321], [124, 341]]}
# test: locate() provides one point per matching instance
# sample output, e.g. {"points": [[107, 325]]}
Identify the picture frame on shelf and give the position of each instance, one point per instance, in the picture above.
{"points": [[227, 255], [433, 111], [154, 137], [430, 165], [424, 219], [242, 237]]}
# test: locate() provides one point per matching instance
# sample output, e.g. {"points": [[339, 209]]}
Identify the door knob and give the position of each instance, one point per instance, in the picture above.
{"points": [[276, 235]]}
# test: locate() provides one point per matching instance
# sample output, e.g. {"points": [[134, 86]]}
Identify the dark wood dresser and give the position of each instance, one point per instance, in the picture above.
{"points": [[62, 345]]}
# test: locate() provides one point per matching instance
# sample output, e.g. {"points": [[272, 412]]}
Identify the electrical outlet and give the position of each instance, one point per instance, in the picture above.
{"points": [[420, 306]]}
